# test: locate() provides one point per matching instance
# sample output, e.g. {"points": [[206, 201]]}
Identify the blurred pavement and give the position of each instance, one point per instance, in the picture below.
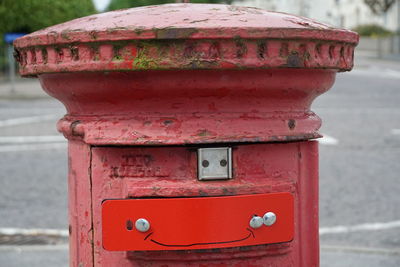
{"points": [[24, 88]]}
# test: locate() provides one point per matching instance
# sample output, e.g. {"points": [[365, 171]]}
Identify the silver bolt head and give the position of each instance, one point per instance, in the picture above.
{"points": [[256, 222], [142, 225], [269, 218]]}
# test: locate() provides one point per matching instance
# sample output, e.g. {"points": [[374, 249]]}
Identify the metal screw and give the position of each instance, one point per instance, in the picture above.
{"points": [[256, 222], [223, 162], [269, 218], [205, 163], [142, 225]]}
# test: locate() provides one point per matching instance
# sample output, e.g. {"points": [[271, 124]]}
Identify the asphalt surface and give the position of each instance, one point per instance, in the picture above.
{"points": [[359, 175]]}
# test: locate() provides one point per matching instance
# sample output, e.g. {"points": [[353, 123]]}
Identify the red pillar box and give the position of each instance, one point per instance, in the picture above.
{"points": [[190, 132]]}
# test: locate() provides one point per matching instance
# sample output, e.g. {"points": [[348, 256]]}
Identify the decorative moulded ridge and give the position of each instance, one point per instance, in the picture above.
{"points": [[132, 55]]}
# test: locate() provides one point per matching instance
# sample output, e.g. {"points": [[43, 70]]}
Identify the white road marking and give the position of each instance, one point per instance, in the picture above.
{"points": [[33, 231], [356, 249], [32, 139], [395, 131], [341, 229], [328, 140], [27, 120], [31, 147], [20, 248]]}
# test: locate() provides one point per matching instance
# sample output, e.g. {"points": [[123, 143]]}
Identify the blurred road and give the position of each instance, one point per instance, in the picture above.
{"points": [[359, 170]]}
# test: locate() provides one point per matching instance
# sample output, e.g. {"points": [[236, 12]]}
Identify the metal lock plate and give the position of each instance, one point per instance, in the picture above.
{"points": [[214, 163], [197, 223]]}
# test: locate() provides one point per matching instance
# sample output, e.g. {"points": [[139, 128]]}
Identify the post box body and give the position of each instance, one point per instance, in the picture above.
{"points": [[150, 91], [261, 169], [101, 171]]}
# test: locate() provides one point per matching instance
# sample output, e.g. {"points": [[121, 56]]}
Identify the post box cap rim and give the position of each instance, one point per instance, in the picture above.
{"points": [[191, 21], [185, 36]]}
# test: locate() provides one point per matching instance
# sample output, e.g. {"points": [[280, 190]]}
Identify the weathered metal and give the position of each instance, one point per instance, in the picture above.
{"points": [[159, 173], [145, 88], [211, 37]]}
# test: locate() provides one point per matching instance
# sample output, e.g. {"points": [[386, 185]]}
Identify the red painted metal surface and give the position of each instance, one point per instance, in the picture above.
{"points": [[205, 37], [186, 21], [212, 107], [80, 205], [144, 88], [170, 172], [196, 223]]}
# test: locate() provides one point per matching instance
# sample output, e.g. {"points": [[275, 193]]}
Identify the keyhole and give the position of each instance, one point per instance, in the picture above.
{"points": [[129, 225]]}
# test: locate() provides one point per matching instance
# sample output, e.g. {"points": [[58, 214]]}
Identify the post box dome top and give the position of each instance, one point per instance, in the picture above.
{"points": [[185, 36]]}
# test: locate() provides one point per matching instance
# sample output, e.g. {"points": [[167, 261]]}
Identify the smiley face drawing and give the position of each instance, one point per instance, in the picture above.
{"points": [[196, 223]]}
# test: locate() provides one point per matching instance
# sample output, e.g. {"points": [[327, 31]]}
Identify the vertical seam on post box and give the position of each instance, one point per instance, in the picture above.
{"points": [[299, 189], [91, 202]]}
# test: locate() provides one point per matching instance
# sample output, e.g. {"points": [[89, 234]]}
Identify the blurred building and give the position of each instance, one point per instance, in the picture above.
{"points": [[341, 13]]}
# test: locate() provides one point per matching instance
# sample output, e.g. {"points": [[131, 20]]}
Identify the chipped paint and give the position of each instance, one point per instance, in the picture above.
{"points": [[236, 29], [197, 106], [145, 87]]}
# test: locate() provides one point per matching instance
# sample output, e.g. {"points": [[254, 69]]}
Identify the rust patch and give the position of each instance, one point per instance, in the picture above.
{"points": [[196, 21], [291, 124], [93, 35], [331, 51], [241, 48], [75, 131], [175, 33], [294, 60], [64, 35], [74, 53], [60, 54], [116, 29], [44, 55], [228, 191], [33, 55], [261, 50], [202, 64], [168, 122], [342, 51], [17, 56], [139, 30], [204, 132]]}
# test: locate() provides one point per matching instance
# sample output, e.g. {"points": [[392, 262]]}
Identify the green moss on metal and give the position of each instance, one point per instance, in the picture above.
{"points": [[143, 62]]}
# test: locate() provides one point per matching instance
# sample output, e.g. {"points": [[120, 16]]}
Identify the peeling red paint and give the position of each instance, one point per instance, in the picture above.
{"points": [[213, 37], [212, 107], [145, 87]]}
